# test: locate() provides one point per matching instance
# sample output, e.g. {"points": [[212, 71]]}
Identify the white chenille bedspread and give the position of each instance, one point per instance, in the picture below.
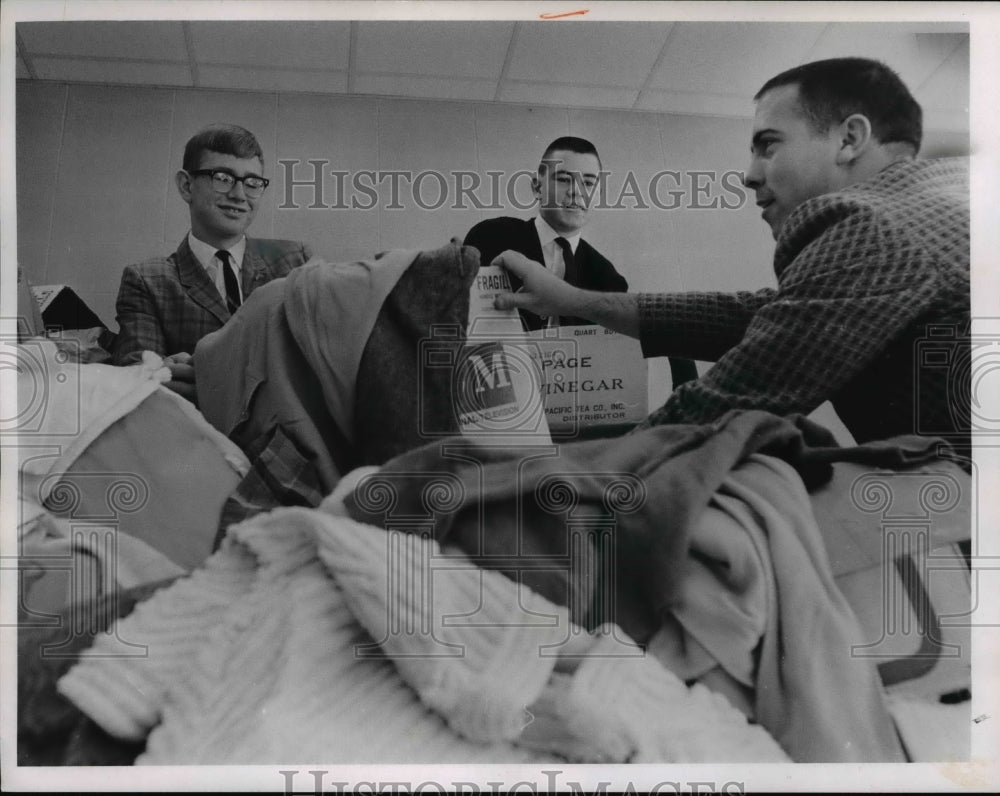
{"points": [[267, 653]]}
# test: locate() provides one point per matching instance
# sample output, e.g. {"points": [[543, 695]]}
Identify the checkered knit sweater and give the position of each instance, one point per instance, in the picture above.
{"points": [[862, 273]]}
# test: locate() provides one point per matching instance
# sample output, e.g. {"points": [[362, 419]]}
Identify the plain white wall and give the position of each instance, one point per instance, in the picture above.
{"points": [[96, 163]]}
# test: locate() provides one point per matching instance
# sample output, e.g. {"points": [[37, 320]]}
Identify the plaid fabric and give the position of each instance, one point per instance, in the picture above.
{"points": [[280, 475], [166, 305], [862, 274]]}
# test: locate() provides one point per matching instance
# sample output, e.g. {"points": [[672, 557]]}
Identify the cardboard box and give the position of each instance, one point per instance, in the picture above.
{"points": [[61, 306]]}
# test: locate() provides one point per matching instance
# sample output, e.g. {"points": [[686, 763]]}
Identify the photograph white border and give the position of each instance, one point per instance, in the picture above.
{"points": [[981, 774]]}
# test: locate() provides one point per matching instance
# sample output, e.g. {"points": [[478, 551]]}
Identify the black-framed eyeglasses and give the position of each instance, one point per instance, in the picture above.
{"points": [[224, 181]]}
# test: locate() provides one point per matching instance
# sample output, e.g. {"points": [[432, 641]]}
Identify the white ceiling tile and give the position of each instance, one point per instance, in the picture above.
{"points": [[149, 41], [940, 48], [311, 45], [130, 72], [948, 87], [707, 67], [425, 87], [732, 57], [466, 49], [576, 96], [605, 54], [914, 57], [263, 79], [945, 95], [22, 70], [696, 103]]}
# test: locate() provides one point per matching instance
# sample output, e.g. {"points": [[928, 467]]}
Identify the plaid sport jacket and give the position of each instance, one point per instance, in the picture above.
{"points": [[167, 304], [870, 279]]}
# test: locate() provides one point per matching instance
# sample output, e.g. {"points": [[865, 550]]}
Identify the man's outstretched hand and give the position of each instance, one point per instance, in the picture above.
{"points": [[542, 292], [545, 294]]}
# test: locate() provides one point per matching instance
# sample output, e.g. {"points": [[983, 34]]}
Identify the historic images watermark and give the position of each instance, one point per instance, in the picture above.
{"points": [[965, 365], [315, 185], [68, 546], [483, 382], [320, 781], [923, 581], [38, 365]]}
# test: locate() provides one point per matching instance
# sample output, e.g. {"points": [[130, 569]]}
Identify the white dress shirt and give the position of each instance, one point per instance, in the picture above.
{"points": [[205, 255], [550, 249]]}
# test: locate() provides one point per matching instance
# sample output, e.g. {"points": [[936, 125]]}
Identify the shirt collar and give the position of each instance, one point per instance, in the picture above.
{"points": [[206, 253], [547, 235]]}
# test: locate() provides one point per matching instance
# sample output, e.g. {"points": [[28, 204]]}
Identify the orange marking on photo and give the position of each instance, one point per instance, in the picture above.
{"points": [[564, 14]]}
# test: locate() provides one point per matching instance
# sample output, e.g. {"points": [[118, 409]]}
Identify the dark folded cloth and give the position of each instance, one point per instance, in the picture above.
{"points": [[606, 527], [403, 399], [331, 371], [516, 506], [51, 730]]}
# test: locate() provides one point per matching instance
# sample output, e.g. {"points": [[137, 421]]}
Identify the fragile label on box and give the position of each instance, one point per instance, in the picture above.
{"points": [[592, 377], [497, 382]]}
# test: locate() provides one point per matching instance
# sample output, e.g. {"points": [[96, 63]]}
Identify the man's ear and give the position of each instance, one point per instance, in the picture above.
{"points": [[183, 180], [536, 187], [855, 137]]}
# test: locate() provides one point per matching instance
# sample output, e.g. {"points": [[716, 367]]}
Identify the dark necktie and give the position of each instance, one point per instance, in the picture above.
{"points": [[232, 286], [568, 260], [570, 275]]}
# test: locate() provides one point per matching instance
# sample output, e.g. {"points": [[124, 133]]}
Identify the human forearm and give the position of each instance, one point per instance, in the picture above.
{"points": [[545, 294], [799, 351], [702, 326], [617, 311]]}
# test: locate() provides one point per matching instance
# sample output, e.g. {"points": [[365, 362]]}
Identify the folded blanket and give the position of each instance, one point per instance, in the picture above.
{"points": [[102, 444], [65, 406], [310, 637]]}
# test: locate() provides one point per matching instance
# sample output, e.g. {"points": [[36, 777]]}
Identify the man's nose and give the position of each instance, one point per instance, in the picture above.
{"points": [[238, 191], [753, 177]]}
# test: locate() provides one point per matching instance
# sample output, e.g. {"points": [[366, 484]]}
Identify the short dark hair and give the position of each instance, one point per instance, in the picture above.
{"points": [[831, 90], [226, 139], [569, 143]]}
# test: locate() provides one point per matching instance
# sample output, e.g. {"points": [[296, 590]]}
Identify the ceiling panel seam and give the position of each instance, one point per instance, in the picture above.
{"points": [[507, 59], [25, 55], [661, 56]]}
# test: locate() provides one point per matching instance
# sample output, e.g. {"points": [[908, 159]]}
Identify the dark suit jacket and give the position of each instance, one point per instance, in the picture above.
{"points": [[496, 235], [167, 304], [595, 272]]}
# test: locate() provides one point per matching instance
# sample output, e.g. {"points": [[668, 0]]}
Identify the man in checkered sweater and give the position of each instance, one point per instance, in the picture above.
{"points": [[872, 306]]}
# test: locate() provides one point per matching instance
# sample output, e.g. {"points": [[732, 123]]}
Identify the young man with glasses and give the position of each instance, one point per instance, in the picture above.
{"points": [[871, 259], [564, 186], [167, 304], [566, 183]]}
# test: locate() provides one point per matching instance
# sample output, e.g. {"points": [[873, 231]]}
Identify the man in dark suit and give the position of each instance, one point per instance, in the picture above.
{"points": [[871, 260], [167, 304], [566, 182]]}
